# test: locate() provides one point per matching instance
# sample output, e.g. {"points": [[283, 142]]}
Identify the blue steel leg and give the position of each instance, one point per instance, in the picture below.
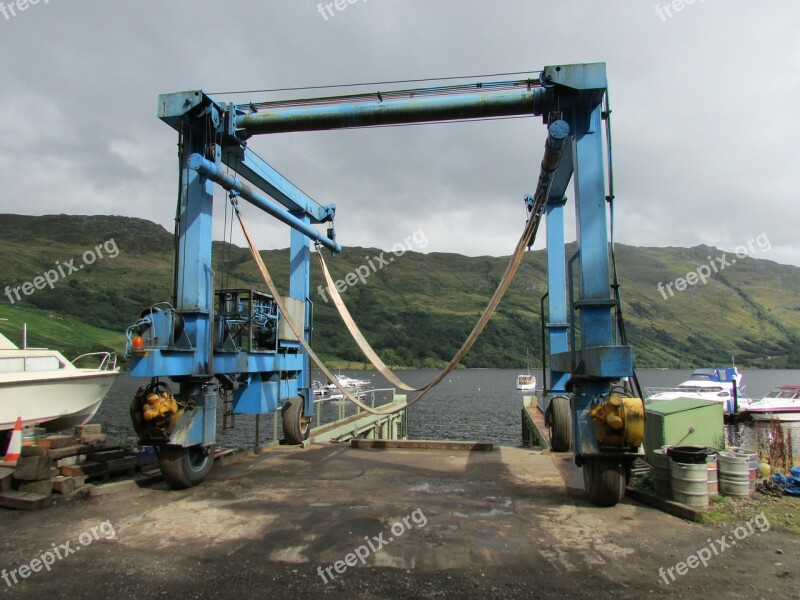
{"points": [[594, 304], [557, 287], [299, 289]]}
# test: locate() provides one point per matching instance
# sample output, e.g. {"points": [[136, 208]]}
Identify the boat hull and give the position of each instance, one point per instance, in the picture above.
{"points": [[56, 403], [790, 416]]}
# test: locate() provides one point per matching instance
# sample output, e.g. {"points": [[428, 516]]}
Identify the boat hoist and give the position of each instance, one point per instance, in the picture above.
{"points": [[255, 346]]}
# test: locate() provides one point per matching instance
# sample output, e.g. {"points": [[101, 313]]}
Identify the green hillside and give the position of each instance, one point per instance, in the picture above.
{"points": [[416, 310]]}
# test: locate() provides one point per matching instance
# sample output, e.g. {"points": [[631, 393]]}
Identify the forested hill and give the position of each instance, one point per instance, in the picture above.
{"points": [[416, 310]]}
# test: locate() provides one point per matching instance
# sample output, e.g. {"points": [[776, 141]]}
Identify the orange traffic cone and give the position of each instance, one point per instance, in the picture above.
{"points": [[15, 445]]}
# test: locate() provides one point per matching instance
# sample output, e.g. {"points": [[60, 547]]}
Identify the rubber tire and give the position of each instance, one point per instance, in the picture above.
{"points": [[295, 426], [560, 424], [185, 467], [604, 480]]}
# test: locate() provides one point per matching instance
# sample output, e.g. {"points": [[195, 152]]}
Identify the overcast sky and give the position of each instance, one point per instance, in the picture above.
{"points": [[705, 112]]}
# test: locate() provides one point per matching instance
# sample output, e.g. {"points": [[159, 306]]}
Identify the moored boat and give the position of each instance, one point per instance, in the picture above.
{"points": [[780, 404], [720, 384], [45, 389]]}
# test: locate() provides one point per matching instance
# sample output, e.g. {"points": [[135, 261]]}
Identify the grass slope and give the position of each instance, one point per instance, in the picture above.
{"points": [[416, 310]]}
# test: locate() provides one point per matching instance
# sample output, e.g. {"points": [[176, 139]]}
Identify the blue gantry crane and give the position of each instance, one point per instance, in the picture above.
{"points": [[234, 341]]}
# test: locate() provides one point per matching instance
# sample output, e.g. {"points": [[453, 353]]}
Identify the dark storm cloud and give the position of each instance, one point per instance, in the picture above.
{"points": [[702, 116]]}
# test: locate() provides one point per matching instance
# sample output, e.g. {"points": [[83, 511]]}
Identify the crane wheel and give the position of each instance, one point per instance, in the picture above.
{"points": [[184, 467], [296, 426], [560, 424], [604, 480]]}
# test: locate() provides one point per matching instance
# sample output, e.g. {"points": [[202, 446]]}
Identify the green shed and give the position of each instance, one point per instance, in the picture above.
{"points": [[671, 422]]}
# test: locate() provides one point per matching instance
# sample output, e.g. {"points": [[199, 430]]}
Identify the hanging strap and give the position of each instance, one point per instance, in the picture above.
{"points": [[528, 235]]}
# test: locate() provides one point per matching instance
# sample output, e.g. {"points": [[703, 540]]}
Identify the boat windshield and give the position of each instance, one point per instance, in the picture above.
{"points": [[24, 364], [699, 389], [783, 393]]}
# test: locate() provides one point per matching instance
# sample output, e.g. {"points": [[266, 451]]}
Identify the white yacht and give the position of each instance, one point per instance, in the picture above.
{"points": [[347, 382], [780, 404], [715, 383], [526, 382], [47, 390]]}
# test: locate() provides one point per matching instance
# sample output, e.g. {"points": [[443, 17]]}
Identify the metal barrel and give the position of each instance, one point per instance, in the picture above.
{"points": [[752, 457], [713, 475], [690, 484], [734, 474], [662, 477]]}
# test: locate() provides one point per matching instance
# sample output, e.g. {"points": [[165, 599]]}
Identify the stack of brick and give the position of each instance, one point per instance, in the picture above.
{"points": [[31, 484], [61, 464]]}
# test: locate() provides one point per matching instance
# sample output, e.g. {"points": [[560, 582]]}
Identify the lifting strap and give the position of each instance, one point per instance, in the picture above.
{"points": [[525, 241]]}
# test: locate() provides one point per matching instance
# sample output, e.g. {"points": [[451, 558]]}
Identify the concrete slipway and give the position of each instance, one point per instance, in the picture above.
{"points": [[509, 523]]}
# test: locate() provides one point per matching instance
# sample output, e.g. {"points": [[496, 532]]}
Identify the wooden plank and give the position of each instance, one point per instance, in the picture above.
{"points": [[69, 451], [88, 469], [61, 441], [24, 501], [422, 445], [107, 455]]}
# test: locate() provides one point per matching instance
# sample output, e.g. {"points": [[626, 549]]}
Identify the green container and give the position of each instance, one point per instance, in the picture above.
{"points": [[668, 424]]}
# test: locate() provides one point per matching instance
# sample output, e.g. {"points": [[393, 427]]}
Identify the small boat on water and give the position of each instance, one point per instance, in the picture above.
{"points": [[526, 383], [348, 382], [317, 388], [780, 404], [715, 383], [45, 389]]}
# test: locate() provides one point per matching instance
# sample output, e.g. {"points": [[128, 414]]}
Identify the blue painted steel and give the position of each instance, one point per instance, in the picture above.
{"points": [[300, 289], [198, 426], [194, 286], [214, 173], [394, 112], [557, 326], [265, 177], [575, 92]]}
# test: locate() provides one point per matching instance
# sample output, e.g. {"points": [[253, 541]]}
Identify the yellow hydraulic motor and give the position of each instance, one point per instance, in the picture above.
{"points": [[619, 421], [159, 405]]}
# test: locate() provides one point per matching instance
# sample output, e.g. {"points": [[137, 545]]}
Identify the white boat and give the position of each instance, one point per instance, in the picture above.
{"points": [[780, 404], [317, 388], [715, 383], [45, 389], [526, 383], [348, 382]]}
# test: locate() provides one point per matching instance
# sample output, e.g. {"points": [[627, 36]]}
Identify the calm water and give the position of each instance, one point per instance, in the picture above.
{"points": [[475, 404]]}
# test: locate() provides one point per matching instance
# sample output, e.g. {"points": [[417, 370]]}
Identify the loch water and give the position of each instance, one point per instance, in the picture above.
{"points": [[471, 404]]}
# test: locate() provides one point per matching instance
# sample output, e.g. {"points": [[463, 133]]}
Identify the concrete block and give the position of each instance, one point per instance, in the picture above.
{"points": [[6, 478], [89, 429], [33, 468], [44, 487], [24, 501], [33, 451], [64, 485]]}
